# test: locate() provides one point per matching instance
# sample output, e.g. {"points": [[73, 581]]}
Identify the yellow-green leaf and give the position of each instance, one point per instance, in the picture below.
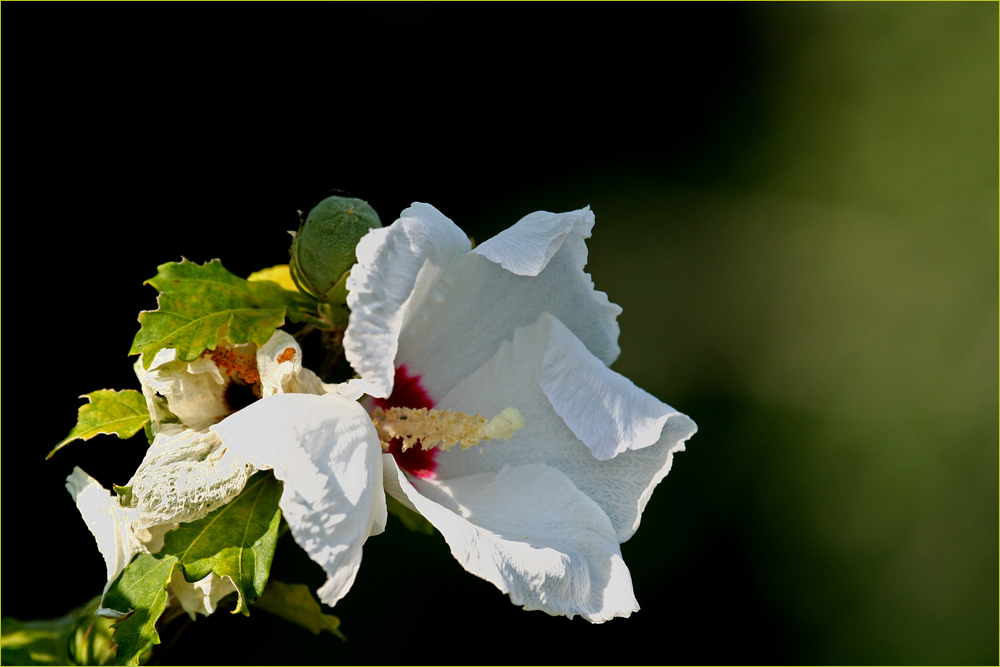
{"points": [[201, 303], [122, 413]]}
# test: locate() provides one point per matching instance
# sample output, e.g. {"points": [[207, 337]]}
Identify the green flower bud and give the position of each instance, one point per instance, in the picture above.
{"points": [[323, 249]]}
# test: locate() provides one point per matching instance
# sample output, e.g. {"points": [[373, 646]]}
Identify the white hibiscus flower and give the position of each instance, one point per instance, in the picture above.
{"points": [[512, 328], [514, 323]]}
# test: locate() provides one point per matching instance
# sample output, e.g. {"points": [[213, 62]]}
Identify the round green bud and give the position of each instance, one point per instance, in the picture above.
{"points": [[323, 249]]}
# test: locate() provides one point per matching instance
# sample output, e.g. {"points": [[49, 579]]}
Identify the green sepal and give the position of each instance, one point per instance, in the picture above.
{"points": [[78, 638], [410, 519], [295, 603], [237, 541], [338, 293], [122, 413], [201, 304], [124, 495], [333, 317]]}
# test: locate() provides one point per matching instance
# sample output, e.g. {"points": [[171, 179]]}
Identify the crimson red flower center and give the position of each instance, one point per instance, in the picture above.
{"points": [[408, 393]]}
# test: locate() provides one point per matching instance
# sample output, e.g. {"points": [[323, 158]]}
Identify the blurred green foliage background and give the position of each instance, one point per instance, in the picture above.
{"points": [[820, 294], [797, 208]]}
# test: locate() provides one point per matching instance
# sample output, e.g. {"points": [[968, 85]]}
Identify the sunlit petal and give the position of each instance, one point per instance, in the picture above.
{"points": [[110, 525], [594, 402], [529, 531], [397, 270], [326, 452]]}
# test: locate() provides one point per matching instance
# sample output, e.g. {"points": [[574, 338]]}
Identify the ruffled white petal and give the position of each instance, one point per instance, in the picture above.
{"points": [[398, 267], [110, 525], [527, 247], [200, 597], [562, 390], [484, 296], [529, 531], [186, 474], [327, 453], [606, 411], [354, 389]]}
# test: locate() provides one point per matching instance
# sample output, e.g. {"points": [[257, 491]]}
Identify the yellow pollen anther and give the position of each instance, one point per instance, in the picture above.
{"points": [[443, 428]]}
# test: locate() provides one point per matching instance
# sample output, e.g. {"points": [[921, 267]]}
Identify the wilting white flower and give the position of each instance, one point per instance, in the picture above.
{"points": [[187, 472]]}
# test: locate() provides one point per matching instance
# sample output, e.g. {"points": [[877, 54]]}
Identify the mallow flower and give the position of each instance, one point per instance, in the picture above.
{"points": [[513, 323], [503, 349]]}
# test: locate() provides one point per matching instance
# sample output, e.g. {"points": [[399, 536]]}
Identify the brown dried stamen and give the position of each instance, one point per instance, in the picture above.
{"points": [[236, 365]]}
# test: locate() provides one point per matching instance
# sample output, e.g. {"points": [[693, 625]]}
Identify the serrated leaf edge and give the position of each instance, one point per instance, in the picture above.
{"points": [[254, 285], [95, 431]]}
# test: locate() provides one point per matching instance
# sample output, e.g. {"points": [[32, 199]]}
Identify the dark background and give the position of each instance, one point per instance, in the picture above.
{"points": [[796, 207]]}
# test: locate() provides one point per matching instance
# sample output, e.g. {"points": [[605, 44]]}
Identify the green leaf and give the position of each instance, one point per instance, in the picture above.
{"points": [[141, 587], [122, 413], [236, 541], [239, 543], [295, 603], [78, 638], [201, 303], [124, 495]]}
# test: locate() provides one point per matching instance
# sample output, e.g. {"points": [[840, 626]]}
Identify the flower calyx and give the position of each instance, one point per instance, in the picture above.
{"points": [[323, 251]]}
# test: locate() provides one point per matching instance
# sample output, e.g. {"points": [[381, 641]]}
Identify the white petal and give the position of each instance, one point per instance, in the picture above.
{"points": [[287, 375], [527, 247], [603, 409], [327, 453], [195, 392], [545, 373], [398, 267], [534, 267], [200, 597], [186, 474], [110, 525], [354, 389], [529, 531], [153, 537]]}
